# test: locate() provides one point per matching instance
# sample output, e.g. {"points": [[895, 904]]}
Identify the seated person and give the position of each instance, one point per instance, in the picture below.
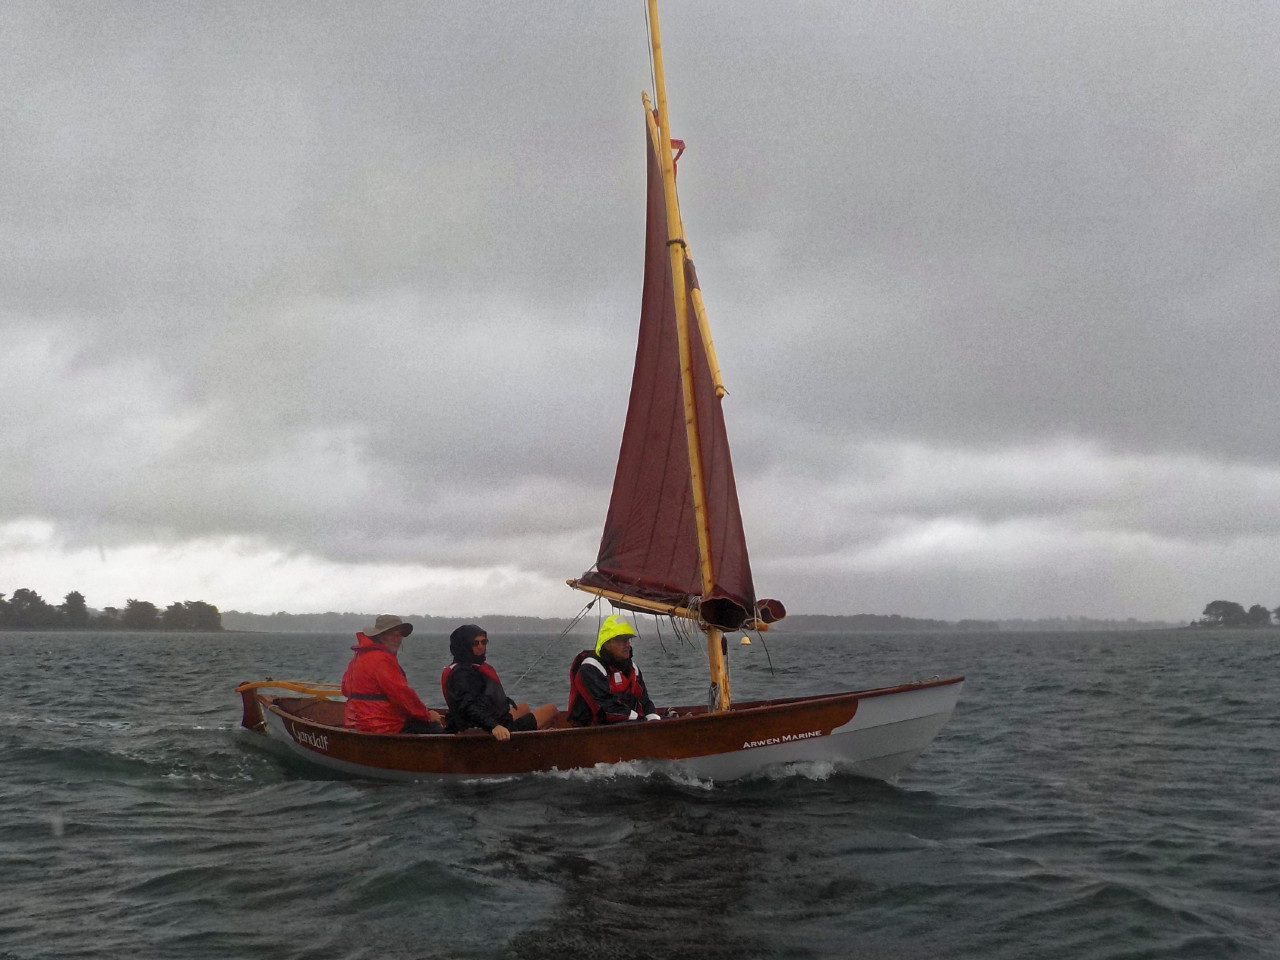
{"points": [[605, 686], [379, 698], [474, 693]]}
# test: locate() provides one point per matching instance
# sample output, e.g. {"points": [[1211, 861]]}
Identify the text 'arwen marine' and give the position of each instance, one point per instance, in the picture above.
{"points": [[783, 739]]}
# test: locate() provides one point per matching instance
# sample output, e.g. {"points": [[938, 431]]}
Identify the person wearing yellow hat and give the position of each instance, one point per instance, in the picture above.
{"points": [[605, 685]]}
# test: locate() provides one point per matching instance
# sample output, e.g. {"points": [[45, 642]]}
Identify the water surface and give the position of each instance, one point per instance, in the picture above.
{"points": [[1094, 796]]}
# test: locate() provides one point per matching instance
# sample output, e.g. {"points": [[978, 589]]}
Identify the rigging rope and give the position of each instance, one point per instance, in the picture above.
{"points": [[563, 633], [653, 72], [760, 636]]}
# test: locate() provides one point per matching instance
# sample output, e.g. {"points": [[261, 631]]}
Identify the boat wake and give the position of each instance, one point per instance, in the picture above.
{"points": [[804, 769], [814, 770], [632, 769]]}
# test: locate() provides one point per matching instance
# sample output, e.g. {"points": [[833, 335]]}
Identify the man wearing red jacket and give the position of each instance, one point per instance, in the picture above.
{"points": [[379, 698]]}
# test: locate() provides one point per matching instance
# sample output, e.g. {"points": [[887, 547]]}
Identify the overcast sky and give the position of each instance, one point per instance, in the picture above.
{"points": [[332, 306]]}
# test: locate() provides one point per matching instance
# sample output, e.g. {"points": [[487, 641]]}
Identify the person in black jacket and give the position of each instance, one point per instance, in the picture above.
{"points": [[605, 685], [474, 693]]}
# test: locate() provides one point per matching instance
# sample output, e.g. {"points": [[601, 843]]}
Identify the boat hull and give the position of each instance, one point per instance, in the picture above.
{"points": [[872, 733]]}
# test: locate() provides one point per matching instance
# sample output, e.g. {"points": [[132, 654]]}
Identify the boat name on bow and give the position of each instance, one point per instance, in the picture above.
{"points": [[786, 738]]}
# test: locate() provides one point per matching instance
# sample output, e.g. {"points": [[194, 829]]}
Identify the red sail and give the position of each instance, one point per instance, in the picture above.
{"points": [[649, 549]]}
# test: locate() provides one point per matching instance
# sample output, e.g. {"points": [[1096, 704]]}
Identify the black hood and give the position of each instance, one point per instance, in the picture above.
{"points": [[460, 643]]}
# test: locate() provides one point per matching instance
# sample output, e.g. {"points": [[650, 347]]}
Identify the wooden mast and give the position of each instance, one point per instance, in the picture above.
{"points": [[678, 251]]}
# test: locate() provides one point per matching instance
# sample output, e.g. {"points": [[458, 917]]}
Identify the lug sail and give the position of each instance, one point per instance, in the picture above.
{"points": [[649, 551]]}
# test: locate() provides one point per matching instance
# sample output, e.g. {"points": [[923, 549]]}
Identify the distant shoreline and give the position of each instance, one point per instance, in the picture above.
{"points": [[347, 622], [239, 622], [798, 625]]}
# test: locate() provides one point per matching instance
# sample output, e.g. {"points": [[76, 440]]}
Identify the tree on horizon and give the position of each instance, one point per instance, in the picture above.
{"points": [[1224, 613], [1258, 616], [26, 608], [140, 615], [74, 611], [192, 615], [1228, 613]]}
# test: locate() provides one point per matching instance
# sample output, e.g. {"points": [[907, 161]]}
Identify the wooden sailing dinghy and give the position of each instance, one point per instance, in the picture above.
{"points": [[673, 546]]}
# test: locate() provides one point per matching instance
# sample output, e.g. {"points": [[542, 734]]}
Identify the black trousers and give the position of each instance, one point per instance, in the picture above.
{"points": [[418, 725]]}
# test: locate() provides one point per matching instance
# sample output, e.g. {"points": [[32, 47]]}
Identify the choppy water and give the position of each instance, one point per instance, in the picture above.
{"points": [[1095, 796]]}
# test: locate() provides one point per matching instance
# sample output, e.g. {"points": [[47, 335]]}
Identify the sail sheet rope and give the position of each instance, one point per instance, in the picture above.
{"points": [[653, 73], [683, 631], [560, 636]]}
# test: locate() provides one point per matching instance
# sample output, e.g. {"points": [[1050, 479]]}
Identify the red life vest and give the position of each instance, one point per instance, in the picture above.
{"points": [[484, 668], [491, 706], [620, 682]]}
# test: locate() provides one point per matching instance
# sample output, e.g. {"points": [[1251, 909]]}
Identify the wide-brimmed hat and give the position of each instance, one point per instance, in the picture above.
{"points": [[385, 622]]}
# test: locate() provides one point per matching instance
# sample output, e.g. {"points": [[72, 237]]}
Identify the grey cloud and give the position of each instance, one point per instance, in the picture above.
{"points": [[366, 283]]}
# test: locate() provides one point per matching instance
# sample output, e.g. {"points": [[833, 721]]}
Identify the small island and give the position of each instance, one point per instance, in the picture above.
{"points": [[27, 610], [1228, 613]]}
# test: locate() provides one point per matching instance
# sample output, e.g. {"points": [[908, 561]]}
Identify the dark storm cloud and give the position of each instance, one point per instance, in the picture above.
{"points": [[361, 282], [1003, 225]]}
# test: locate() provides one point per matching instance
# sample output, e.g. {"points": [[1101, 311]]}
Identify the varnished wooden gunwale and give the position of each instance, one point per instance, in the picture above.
{"points": [[693, 734]]}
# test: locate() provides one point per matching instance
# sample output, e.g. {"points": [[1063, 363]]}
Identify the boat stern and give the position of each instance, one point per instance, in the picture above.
{"points": [[251, 718]]}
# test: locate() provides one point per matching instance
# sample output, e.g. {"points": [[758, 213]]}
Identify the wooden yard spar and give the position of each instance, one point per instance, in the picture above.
{"points": [[681, 266]]}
